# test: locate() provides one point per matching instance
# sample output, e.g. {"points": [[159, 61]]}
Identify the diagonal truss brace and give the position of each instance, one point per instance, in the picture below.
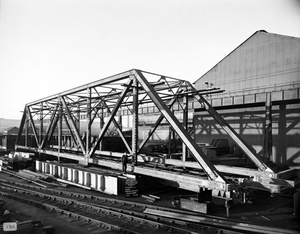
{"points": [[33, 126], [73, 125], [111, 117], [204, 162], [23, 120], [50, 126], [230, 131], [158, 121], [118, 128]]}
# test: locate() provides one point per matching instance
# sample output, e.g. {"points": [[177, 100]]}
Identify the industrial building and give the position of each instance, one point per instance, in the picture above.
{"points": [[237, 129], [261, 98]]}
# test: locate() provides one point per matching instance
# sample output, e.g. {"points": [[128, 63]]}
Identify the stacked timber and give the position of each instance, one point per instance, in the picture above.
{"points": [[131, 187], [128, 185], [150, 197]]}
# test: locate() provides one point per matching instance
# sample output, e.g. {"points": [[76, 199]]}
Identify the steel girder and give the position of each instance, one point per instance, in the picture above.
{"points": [[125, 91], [233, 135]]}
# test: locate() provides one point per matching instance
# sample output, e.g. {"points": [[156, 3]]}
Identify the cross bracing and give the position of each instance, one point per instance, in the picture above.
{"points": [[103, 101]]}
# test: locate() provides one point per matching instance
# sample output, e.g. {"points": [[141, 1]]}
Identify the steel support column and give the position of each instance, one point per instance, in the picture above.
{"points": [[22, 124], [113, 113], [119, 130], [48, 132], [135, 121], [41, 124], [230, 131], [60, 116], [185, 124], [33, 127], [155, 126], [207, 166], [26, 127], [268, 129], [101, 124], [73, 125], [89, 123]]}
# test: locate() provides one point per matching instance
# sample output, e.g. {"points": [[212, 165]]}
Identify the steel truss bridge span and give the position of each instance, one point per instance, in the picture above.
{"points": [[46, 121]]}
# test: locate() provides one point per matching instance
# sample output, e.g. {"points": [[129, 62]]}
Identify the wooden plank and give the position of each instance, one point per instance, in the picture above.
{"points": [[193, 206]]}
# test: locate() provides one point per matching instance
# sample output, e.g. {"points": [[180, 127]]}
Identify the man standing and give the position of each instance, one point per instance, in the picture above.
{"points": [[124, 162]]}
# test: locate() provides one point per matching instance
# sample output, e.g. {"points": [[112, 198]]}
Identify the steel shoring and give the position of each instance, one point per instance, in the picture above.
{"points": [[79, 141], [207, 166], [230, 131], [113, 113]]}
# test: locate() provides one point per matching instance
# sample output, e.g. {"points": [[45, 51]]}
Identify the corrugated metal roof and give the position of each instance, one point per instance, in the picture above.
{"points": [[254, 34]]}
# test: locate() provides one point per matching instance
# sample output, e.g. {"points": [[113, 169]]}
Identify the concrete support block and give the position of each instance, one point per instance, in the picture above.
{"points": [[107, 184], [47, 168], [75, 176], [50, 169], [87, 181], [101, 183], [69, 174], [56, 170], [111, 185], [94, 181], [43, 167], [81, 177], [64, 173], [38, 166]]}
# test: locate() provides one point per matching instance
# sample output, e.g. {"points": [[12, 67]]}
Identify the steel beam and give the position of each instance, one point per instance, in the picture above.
{"points": [[185, 124], [268, 129], [101, 82], [41, 124], [89, 121], [22, 123], [230, 131], [135, 121], [73, 125], [32, 126], [70, 128], [49, 127], [118, 129], [113, 113], [155, 126], [205, 163]]}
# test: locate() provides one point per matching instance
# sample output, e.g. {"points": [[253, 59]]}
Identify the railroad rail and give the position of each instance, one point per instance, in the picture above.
{"points": [[118, 215]]}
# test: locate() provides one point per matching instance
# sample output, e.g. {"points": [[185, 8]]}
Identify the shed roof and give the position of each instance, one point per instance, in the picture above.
{"points": [[11, 131], [264, 32]]}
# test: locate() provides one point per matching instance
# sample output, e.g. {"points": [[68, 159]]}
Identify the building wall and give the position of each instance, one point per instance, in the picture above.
{"points": [[250, 124], [261, 61]]}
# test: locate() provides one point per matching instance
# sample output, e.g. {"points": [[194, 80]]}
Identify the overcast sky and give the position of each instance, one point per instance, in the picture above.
{"points": [[48, 46]]}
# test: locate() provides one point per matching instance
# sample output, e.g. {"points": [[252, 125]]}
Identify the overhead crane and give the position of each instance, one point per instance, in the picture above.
{"points": [[129, 93]]}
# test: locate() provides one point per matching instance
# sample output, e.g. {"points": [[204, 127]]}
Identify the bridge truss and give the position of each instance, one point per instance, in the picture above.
{"points": [[125, 94]]}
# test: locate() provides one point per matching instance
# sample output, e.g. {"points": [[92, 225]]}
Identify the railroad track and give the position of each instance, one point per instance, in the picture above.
{"points": [[124, 216]]}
